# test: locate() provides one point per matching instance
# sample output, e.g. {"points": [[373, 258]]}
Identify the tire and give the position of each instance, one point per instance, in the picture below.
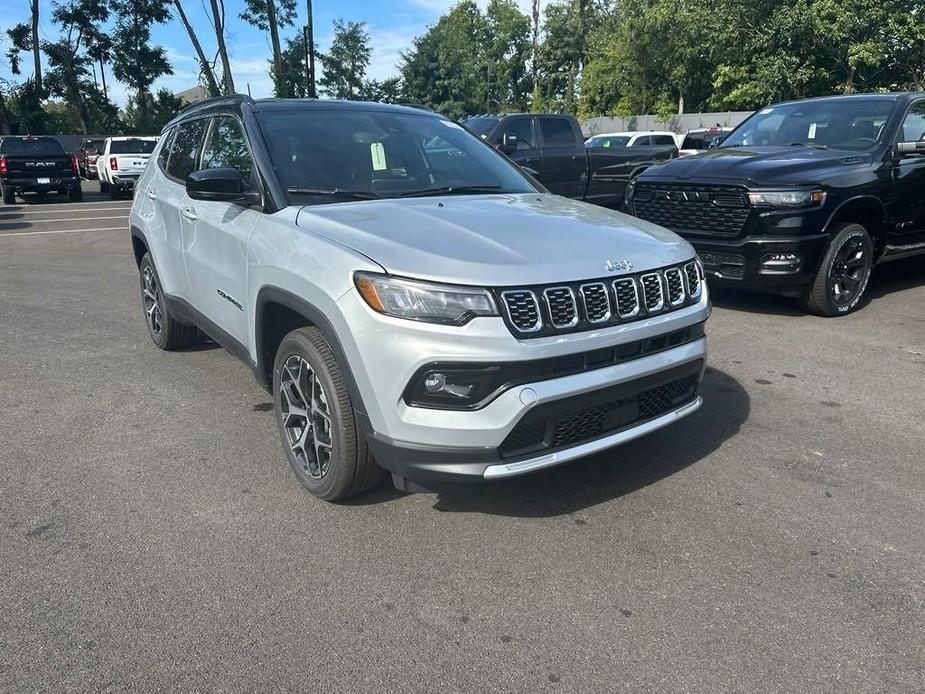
{"points": [[104, 186], [75, 194], [9, 197], [165, 331], [337, 463], [843, 274], [114, 193]]}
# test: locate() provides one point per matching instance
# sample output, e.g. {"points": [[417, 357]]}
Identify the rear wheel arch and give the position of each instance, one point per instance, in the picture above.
{"points": [[140, 246]]}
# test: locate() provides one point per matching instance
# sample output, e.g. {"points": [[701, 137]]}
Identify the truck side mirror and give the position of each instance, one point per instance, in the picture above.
{"points": [[508, 142], [714, 142], [907, 148]]}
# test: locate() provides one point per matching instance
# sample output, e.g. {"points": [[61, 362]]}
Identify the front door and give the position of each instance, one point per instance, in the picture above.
{"points": [[216, 235], [907, 218], [527, 153], [565, 161]]}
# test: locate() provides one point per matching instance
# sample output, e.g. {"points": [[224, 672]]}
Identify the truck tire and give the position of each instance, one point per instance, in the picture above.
{"points": [[114, 193], [165, 331], [315, 419], [9, 197], [104, 186], [843, 274], [75, 194]]}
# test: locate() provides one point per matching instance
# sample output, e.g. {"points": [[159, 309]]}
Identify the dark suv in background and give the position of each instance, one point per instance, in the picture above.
{"points": [[804, 198]]}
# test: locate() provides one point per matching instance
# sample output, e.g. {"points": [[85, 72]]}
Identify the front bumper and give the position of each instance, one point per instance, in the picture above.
{"points": [[429, 445], [56, 184], [738, 262]]}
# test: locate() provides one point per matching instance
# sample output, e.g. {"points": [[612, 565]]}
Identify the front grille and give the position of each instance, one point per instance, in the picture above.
{"points": [[560, 301], [523, 310], [726, 264], [597, 302], [586, 417], [539, 311], [720, 210]]}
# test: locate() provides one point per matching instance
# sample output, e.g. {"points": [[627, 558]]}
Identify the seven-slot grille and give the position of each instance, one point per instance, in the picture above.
{"points": [[523, 310], [563, 311], [540, 311]]}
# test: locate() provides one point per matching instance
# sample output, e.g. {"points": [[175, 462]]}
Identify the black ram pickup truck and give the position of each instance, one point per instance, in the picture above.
{"points": [[37, 165], [550, 147], [803, 198]]}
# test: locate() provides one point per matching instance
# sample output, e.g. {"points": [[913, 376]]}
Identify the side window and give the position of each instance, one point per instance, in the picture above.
{"points": [[913, 128], [184, 150], [166, 142], [641, 141], [225, 146], [557, 132], [662, 140], [522, 129]]}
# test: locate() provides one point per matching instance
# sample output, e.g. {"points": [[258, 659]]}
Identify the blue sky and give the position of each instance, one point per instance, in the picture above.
{"points": [[391, 23]]}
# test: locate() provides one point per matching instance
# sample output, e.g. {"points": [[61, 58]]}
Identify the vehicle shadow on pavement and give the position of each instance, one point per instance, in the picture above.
{"points": [[609, 475], [755, 302], [896, 276]]}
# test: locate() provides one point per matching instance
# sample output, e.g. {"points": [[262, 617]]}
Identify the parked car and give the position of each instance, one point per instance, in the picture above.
{"points": [[402, 289], [699, 140], [804, 198], [89, 152], [37, 165], [633, 138], [121, 163], [550, 147]]}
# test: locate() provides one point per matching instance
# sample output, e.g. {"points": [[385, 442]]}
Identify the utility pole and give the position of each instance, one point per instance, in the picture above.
{"points": [[309, 38]]}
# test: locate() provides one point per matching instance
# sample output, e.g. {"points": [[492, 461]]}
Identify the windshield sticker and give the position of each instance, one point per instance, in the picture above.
{"points": [[377, 152], [812, 132]]}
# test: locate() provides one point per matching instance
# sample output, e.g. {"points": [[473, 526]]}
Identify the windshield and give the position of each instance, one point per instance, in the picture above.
{"points": [[701, 140], [481, 126], [332, 156], [132, 146], [608, 141], [32, 147], [837, 123]]}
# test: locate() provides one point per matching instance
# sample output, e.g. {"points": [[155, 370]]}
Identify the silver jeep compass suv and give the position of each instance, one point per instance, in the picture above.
{"points": [[415, 301]]}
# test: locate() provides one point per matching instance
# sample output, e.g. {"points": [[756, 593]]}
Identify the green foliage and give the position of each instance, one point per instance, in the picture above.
{"points": [[256, 13], [344, 65], [20, 38], [137, 62], [149, 117], [387, 91]]}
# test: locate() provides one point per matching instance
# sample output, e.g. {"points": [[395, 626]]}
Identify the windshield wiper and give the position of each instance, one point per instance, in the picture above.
{"points": [[355, 194], [807, 144], [450, 190]]}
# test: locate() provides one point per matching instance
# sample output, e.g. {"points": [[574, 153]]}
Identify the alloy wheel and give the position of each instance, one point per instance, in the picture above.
{"points": [[152, 300], [306, 417], [849, 270]]}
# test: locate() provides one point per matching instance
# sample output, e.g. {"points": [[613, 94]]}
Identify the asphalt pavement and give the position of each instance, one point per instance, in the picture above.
{"points": [[152, 537]]}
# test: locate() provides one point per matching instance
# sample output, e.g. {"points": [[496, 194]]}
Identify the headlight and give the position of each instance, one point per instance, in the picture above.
{"points": [[788, 198], [424, 301]]}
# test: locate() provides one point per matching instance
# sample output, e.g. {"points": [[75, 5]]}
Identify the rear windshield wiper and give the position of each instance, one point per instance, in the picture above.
{"points": [[450, 190], [340, 192]]}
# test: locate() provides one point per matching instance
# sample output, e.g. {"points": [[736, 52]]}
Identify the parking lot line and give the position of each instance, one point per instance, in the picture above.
{"points": [[62, 204], [70, 219], [60, 231], [89, 209]]}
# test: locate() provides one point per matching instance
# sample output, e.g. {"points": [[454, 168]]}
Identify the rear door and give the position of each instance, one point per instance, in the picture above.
{"points": [[907, 218], [216, 234], [565, 162]]}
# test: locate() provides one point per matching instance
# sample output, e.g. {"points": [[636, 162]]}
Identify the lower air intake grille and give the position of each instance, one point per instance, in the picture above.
{"points": [[586, 417]]}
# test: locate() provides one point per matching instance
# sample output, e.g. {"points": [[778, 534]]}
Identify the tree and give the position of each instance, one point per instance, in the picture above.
{"points": [[206, 69], [218, 21], [344, 65], [24, 38], [151, 116], [138, 63], [270, 15], [388, 91], [507, 52], [905, 32]]}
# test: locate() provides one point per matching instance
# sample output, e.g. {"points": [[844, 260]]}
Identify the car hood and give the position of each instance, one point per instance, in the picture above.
{"points": [[761, 166], [495, 240]]}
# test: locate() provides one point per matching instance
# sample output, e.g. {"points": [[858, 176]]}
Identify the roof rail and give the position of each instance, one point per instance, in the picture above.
{"points": [[229, 98]]}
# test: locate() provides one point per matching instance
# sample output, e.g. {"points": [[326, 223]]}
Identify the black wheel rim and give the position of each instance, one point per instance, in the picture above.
{"points": [[849, 270], [306, 417]]}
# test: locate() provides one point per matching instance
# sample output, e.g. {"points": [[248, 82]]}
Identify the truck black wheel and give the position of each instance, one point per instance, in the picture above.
{"points": [[114, 193], [104, 186], [9, 197], [843, 274], [76, 194], [165, 331], [315, 419]]}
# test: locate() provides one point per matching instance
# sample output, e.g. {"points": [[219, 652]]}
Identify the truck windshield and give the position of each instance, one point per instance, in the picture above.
{"points": [[848, 123], [31, 147], [132, 146], [326, 156]]}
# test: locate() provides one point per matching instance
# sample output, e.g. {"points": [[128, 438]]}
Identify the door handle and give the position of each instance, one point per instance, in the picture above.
{"points": [[189, 214], [151, 193]]}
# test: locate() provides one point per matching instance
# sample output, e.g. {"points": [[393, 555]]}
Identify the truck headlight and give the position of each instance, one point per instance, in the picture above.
{"points": [[424, 301], [788, 198]]}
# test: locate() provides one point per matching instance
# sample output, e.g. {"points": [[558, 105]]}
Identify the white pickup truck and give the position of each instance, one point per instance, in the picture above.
{"points": [[121, 162]]}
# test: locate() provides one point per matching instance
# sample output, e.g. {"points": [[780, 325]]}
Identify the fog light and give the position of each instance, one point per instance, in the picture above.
{"points": [[781, 262], [435, 383]]}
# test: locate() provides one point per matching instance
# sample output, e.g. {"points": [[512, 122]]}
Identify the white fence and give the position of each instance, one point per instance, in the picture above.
{"points": [[678, 124]]}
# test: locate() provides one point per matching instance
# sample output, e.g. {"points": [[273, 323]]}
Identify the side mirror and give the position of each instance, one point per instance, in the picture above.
{"points": [[714, 142], [907, 148], [508, 142], [225, 184]]}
